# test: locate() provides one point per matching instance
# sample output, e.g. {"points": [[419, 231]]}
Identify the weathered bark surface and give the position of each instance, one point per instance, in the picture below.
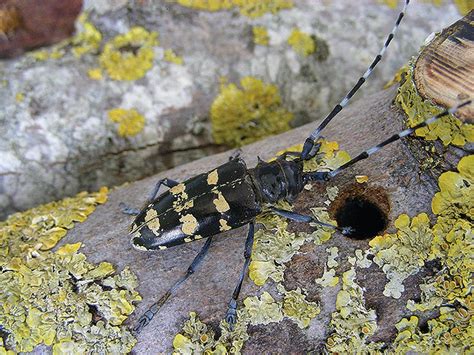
{"points": [[30, 24], [444, 71], [56, 138], [396, 184]]}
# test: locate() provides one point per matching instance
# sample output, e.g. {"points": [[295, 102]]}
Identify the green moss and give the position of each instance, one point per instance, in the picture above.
{"points": [[249, 8], [448, 129], [242, 116], [58, 298]]}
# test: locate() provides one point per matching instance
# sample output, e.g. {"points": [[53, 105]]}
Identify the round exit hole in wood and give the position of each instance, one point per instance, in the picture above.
{"points": [[363, 208]]}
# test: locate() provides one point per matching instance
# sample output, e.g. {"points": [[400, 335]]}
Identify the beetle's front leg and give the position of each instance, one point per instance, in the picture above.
{"points": [[135, 211], [231, 314]]}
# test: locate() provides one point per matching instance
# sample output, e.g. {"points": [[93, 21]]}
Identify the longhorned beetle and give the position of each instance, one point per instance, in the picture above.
{"points": [[231, 196]]}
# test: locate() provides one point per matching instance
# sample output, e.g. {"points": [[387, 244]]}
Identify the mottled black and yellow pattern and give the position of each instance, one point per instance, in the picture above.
{"points": [[202, 206]]}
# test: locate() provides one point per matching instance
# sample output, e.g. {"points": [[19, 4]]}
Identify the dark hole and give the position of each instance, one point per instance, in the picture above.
{"points": [[96, 316], [365, 218], [424, 327]]}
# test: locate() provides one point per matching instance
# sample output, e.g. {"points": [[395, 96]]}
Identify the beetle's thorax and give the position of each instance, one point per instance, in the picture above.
{"points": [[277, 180]]}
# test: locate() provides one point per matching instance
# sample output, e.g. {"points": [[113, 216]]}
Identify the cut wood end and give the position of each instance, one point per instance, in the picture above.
{"points": [[444, 70]]}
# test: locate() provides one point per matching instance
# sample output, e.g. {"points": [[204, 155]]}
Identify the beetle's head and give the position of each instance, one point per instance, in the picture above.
{"points": [[279, 179]]}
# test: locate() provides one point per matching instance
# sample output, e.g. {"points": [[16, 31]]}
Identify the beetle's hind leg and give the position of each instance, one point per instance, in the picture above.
{"points": [[146, 318], [135, 211], [231, 314]]}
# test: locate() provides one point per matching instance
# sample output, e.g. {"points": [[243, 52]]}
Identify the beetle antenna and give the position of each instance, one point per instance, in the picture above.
{"points": [[395, 137], [309, 142]]}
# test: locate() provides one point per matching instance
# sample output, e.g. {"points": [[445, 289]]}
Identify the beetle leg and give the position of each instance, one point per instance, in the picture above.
{"points": [[297, 217], [231, 314], [235, 154], [136, 211], [146, 318], [129, 210], [167, 182]]}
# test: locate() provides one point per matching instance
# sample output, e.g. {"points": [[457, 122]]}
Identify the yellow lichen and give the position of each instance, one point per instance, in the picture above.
{"points": [[19, 97], [171, 57], [302, 43], [58, 298], [130, 121], [198, 339], [263, 309], [361, 178], [455, 197], [448, 129], [129, 56], [88, 38], [447, 334], [242, 116], [260, 35], [95, 73], [464, 6], [450, 288], [404, 253], [352, 323], [249, 8], [297, 308], [398, 77]]}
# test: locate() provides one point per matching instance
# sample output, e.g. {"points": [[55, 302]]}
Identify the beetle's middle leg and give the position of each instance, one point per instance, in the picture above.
{"points": [[135, 211], [146, 318], [297, 217], [231, 315]]}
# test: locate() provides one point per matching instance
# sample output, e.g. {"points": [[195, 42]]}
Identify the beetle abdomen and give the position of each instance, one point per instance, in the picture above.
{"points": [[202, 206]]}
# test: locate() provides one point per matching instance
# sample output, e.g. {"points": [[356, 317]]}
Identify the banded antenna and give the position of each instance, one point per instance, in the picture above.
{"points": [[327, 175], [309, 142]]}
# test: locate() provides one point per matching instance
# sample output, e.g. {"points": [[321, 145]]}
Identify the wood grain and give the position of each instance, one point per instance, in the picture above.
{"points": [[444, 71]]}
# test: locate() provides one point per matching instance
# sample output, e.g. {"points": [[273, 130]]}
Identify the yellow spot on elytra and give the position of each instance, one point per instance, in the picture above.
{"points": [[197, 236], [162, 247], [152, 221], [187, 240], [178, 207], [212, 177], [178, 189], [223, 225], [221, 203], [190, 224]]}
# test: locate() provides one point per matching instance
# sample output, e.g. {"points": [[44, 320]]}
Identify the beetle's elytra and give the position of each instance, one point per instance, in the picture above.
{"points": [[231, 196]]}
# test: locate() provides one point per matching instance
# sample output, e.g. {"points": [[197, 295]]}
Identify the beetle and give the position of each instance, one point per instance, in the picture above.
{"points": [[232, 195]]}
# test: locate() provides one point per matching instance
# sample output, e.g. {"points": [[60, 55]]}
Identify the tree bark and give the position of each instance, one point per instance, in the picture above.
{"points": [[396, 183]]}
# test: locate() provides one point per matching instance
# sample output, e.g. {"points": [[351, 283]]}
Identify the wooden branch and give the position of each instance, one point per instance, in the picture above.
{"points": [[395, 182], [444, 70]]}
